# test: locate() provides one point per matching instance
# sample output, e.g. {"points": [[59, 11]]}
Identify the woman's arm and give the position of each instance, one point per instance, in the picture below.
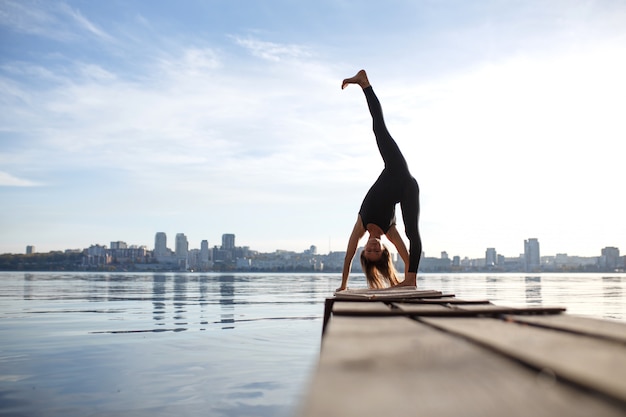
{"points": [[410, 278], [394, 237], [357, 233]]}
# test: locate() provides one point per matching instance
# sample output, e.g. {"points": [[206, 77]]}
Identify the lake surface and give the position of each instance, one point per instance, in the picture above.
{"points": [[115, 344]]}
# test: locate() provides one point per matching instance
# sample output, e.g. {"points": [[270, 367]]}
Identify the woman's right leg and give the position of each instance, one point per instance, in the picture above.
{"points": [[387, 146], [394, 160]]}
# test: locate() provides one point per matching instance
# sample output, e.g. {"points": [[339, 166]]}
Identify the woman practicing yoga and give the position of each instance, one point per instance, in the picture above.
{"points": [[377, 214]]}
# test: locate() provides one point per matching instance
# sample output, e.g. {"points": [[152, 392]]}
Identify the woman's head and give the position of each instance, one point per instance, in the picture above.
{"points": [[373, 249], [377, 265]]}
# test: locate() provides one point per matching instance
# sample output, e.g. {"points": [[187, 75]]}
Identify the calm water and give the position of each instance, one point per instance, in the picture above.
{"points": [[86, 344]]}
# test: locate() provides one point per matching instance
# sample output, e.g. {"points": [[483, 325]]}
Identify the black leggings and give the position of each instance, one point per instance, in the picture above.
{"points": [[397, 170]]}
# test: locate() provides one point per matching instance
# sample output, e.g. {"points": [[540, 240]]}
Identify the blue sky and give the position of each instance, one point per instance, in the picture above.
{"points": [[120, 119]]}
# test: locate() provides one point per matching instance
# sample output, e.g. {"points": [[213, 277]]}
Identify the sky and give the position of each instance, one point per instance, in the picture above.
{"points": [[125, 118]]}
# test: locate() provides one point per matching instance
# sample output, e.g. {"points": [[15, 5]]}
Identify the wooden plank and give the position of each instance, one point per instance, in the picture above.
{"points": [[393, 366], [344, 307], [481, 307], [421, 308], [328, 309], [508, 310], [577, 324], [409, 309], [385, 294], [446, 300], [597, 364]]}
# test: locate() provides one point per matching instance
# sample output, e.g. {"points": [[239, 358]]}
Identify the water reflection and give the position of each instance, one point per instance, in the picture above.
{"points": [[180, 302], [227, 301], [533, 290], [613, 294], [595, 295], [203, 301], [28, 286], [158, 299], [492, 286], [183, 302]]}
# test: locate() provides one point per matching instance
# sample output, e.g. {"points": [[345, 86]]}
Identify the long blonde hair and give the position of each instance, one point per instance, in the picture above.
{"points": [[380, 273]]}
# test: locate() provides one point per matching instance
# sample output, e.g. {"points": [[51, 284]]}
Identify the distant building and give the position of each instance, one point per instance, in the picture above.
{"points": [[193, 259], [205, 256], [119, 245], [228, 241], [532, 257], [435, 264], [30, 250], [182, 246], [160, 245], [491, 257], [513, 263], [221, 255], [243, 263], [610, 260], [96, 256]]}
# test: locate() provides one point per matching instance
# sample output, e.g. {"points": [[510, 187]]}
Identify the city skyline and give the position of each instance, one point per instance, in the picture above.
{"points": [[530, 249], [121, 256], [121, 118], [476, 254]]}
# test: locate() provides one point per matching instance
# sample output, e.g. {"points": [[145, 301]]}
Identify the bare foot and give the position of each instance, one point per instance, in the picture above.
{"points": [[405, 284], [360, 78], [410, 280]]}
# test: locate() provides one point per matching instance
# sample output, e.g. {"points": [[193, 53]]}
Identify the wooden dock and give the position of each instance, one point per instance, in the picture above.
{"points": [[422, 353]]}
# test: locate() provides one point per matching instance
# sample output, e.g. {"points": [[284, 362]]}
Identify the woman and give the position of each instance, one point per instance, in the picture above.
{"points": [[377, 214]]}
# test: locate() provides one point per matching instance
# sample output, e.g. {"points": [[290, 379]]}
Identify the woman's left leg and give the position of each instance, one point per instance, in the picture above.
{"points": [[410, 206]]}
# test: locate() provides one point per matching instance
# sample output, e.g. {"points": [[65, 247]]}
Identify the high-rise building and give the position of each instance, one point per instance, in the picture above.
{"points": [[532, 256], [205, 255], [119, 245], [30, 249], [160, 245], [491, 257], [204, 247], [610, 258], [182, 246], [228, 241]]}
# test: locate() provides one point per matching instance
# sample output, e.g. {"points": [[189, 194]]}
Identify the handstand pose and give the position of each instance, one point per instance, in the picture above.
{"points": [[377, 214]]}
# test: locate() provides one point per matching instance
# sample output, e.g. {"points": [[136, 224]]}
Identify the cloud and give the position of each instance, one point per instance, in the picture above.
{"points": [[193, 118], [28, 17], [85, 23], [48, 19], [8, 180], [272, 51]]}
